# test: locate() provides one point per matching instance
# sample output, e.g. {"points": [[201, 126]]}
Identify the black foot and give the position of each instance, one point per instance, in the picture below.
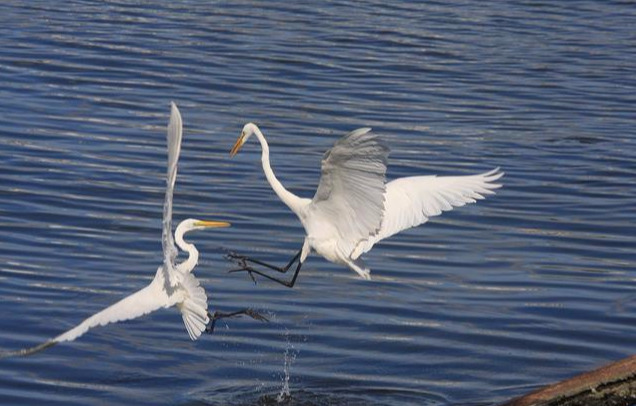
{"points": [[240, 260], [246, 264], [247, 269], [255, 315], [245, 312]]}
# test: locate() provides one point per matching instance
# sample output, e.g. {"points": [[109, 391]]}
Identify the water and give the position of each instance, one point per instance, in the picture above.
{"points": [[481, 304]]}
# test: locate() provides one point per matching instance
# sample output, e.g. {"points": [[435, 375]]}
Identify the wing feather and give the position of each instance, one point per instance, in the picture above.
{"points": [[140, 303], [352, 186], [194, 309], [412, 201], [174, 135]]}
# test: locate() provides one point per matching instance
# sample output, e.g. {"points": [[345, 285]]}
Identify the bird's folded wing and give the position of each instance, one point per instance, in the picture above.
{"points": [[174, 135], [412, 201], [352, 185]]}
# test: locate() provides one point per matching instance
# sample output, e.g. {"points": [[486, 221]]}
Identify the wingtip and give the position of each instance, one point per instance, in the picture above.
{"points": [[175, 124], [494, 174], [174, 109], [28, 351], [358, 132]]}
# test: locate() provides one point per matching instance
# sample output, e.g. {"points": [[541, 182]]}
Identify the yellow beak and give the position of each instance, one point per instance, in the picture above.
{"points": [[237, 146], [212, 224]]}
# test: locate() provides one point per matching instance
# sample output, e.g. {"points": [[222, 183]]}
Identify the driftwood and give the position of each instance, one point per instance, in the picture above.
{"points": [[611, 385]]}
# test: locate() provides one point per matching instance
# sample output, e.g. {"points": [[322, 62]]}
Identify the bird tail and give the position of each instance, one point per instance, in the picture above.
{"points": [[194, 309]]}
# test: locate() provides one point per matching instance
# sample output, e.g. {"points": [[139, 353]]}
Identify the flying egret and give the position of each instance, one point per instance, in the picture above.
{"points": [[354, 207], [173, 284]]}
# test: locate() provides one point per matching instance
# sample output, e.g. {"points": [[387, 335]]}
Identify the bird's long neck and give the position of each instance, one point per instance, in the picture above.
{"points": [[291, 200], [193, 254]]}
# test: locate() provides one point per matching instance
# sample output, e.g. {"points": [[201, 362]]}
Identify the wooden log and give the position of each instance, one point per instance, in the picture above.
{"points": [[611, 385]]}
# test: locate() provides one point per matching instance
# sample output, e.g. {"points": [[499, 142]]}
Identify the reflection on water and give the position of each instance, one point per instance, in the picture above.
{"points": [[478, 305]]}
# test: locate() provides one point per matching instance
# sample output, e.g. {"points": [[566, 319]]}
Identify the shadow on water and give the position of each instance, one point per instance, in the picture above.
{"points": [[321, 397], [326, 393], [369, 397]]}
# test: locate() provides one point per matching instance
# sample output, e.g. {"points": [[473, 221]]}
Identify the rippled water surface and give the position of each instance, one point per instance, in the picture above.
{"points": [[479, 305]]}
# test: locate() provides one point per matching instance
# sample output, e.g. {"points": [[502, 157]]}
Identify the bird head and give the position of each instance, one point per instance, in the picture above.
{"points": [[248, 130], [195, 224]]}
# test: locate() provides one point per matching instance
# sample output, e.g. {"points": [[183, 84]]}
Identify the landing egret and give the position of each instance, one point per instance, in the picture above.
{"points": [[354, 207], [173, 284]]}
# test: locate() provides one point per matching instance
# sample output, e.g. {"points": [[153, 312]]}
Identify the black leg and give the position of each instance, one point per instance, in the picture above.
{"points": [[243, 260], [221, 315], [289, 284]]}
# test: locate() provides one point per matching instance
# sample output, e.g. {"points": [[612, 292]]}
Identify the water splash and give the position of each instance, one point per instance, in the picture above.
{"points": [[290, 356]]}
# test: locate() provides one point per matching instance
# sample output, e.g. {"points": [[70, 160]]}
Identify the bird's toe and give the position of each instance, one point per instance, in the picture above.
{"points": [[256, 315]]}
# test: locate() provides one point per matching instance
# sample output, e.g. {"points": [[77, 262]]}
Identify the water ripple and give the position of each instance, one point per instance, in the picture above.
{"points": [[479, 305]]}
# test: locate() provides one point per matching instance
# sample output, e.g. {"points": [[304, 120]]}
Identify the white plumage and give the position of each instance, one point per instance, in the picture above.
{"points": [[142, 302], [354, 207], [411, 201], [173, 284], [350, 192], [175, 136]]}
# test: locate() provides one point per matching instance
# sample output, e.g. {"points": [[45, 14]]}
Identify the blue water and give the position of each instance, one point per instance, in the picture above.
{"points": [[481, 304]]}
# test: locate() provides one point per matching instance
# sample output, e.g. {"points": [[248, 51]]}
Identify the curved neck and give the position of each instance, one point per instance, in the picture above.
{"points": [[193, 254], [291, 200]]}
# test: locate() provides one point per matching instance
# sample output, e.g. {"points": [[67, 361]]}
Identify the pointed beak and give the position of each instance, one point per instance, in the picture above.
{"points": [[237, 146], [212, 224]]}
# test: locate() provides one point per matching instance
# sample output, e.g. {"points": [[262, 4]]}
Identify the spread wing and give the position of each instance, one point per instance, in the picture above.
{"points": [[412, 201], [351, 190], [175, 133], [142, 302]]}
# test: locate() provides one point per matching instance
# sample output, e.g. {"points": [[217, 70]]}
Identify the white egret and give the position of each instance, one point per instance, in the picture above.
{"points": [[354, 207], [173, 284]]}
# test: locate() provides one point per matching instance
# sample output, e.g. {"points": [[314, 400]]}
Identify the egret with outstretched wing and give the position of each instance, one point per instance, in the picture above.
{"points": [[173, 284], [354, 207]]}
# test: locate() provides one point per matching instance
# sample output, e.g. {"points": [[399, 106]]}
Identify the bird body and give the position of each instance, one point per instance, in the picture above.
{"points": [[186, 294], [173, 283], [354, 207]]}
